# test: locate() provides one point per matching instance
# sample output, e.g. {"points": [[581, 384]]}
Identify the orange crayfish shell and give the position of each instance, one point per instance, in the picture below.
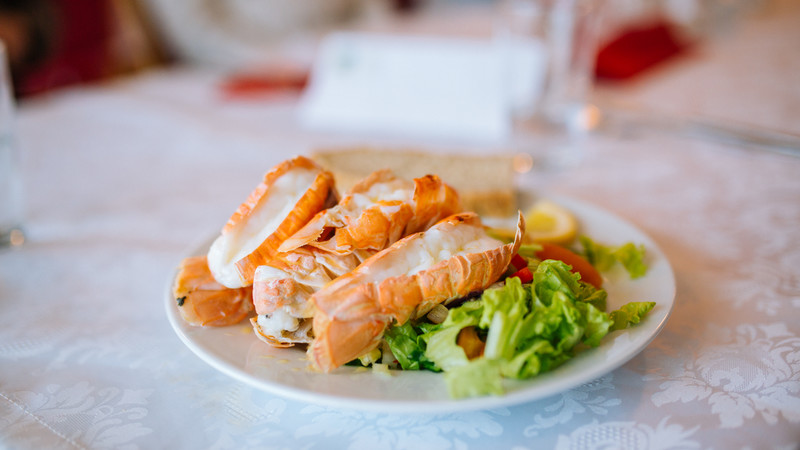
{"points": [[355, 309], [382, 222], [204, 302], [311, 190]]}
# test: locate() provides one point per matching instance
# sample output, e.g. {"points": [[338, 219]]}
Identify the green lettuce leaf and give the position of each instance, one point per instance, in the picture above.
{"points": [[407, 347], [630, 314], [603, 257], [529, 329], [553, 276], [480, 377], [597, 324], [600, 256], [596, 297], [441, 347], [529, 250], [632, 258]]}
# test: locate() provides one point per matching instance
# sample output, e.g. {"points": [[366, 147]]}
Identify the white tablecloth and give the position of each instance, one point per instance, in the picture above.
{"points": [[122, 179]]}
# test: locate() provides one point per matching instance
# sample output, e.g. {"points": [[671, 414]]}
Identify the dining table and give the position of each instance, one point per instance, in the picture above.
{"points": [[125, 178]]}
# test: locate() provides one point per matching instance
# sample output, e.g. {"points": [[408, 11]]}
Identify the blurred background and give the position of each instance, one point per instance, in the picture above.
{"points": [[58, 43], [611, 62]]}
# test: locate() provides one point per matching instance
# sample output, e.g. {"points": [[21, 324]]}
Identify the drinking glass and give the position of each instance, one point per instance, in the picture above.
{"points": [[549, 48], [10, 177]]}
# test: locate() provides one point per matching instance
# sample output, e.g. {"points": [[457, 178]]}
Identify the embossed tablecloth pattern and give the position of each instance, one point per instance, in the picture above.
{"points": [[122, 179]]}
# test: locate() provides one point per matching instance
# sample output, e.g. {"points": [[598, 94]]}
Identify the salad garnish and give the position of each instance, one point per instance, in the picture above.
{"points": [[538, 318]]}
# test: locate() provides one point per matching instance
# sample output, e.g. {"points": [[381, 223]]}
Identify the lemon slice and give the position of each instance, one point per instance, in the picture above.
{"points": [[546, 221]]}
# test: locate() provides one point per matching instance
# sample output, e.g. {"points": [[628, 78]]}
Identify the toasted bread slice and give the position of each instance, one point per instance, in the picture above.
{"points": [[485, 183]]}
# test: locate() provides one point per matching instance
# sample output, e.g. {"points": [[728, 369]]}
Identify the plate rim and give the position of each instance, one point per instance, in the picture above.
{"points": [[570, 381]]}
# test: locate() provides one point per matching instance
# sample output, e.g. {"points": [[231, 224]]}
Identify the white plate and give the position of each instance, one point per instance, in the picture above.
{"points": [[235, 350]]}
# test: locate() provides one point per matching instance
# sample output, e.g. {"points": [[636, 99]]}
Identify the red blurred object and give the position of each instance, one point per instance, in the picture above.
{"points": [[524, 275], [518, 262], [256, 85], [637, 50], [81, 48]]}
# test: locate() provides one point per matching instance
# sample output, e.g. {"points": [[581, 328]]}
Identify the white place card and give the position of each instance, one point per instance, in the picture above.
{"points": [[421, 86]]}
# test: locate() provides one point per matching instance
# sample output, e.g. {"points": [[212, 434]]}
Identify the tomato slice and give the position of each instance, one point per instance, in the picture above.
{"points": [[579, 264], [518, 262], [524, 275]]}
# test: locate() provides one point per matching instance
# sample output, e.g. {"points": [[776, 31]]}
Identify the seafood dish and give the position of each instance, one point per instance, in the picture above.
{"points": [[396, 275]]}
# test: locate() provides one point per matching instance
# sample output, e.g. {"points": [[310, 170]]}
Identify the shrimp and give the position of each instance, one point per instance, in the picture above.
{"points": [[289, 195], [204, 302], [377, 212], [450, 260]]}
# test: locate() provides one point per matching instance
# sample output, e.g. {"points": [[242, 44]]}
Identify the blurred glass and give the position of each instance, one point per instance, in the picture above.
{"points": [[548, 49], [10, 177]]}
